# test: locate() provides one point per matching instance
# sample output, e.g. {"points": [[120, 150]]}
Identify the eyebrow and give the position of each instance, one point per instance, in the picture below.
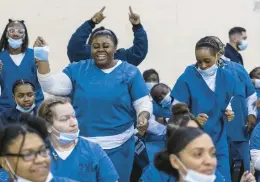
{"points": [[30, 149]]}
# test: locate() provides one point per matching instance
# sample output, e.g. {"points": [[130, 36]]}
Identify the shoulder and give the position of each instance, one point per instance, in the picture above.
{"points": [[88, 147], [77, 67]]}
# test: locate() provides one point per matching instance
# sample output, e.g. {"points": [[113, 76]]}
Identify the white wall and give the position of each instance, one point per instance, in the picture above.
{"points": [[173, 26]]}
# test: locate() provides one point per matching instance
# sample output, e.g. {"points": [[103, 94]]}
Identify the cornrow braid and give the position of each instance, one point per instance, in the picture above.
{"points": [[209, 42], [20, 82]]}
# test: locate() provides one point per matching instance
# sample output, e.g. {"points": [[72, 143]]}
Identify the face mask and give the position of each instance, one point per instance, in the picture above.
{"points": [[150, 85], [166, 101], [41, 53], [15, 43], [66, 138], [19, 108], [208, 72], [193, 176], [242, 45]]}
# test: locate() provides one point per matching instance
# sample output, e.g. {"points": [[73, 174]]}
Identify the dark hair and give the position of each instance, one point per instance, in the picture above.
{"points": [[18, 83], [45, 110], [155, 98], [236, 30], [176, 143], [148, 73], [181, 116], [26, 124], [102, 31], [251, 74], [4, 39], [209, 42]]}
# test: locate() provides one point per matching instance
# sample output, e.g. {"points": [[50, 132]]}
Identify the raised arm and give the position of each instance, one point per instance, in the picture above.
{"points": [[137, 53], [55, 84], [77, 48]]}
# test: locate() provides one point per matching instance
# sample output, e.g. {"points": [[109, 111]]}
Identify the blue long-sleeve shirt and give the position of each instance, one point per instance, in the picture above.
{"points": [[78, 49]]}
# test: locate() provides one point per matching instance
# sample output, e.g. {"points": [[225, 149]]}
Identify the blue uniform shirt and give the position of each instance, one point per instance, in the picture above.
{"points": [[103, 102], [88, 162], [11, 72], [244, 89], [258, 110]]}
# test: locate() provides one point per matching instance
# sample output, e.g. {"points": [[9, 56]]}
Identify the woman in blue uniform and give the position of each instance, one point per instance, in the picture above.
{"points": [[24, 97], [108, 96], [17, 63], [73, 156], [207, 90], [243, 105], [23, 153], [191, 156], [78, 50]]}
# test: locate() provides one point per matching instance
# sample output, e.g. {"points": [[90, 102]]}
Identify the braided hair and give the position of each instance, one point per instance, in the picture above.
{"points": [[212, 43]]}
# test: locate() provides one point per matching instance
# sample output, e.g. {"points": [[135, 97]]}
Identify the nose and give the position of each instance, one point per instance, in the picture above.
{"points": [[39, 159], [203, 66], [73, 122], [209, 160], [26, 99]]}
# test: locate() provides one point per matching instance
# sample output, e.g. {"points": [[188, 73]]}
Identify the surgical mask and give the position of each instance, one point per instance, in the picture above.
{"points": [[19, 108], [15, 43], [66, 138], [166, 101], [41, 53], [150, 85], [193, 176], [208, 72], [243, 44]]}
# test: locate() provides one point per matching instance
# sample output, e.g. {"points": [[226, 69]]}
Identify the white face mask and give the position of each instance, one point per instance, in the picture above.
{"points": [[66, 138], [243, 44], [166, 102], [150, 85], [15, 43], [193, 176], [19, 108], [208, 72]]}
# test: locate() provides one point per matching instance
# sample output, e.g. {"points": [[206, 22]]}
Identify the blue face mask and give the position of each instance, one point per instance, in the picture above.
{"points": [[243, 44], [208, 72], [66, 138], [19, 108], [15, 44], [41, 53], [150, 85], [166, 102]]}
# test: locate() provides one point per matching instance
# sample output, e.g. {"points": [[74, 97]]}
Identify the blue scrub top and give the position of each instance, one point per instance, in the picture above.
{"points": [[159, 111], [192, 90], [258, 110], [244, 89], [88, 162], [103, 102]]}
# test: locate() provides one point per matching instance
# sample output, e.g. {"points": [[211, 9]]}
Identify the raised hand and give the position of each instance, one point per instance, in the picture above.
{"points": [[99, 16], [40, 42], [133, 17]]}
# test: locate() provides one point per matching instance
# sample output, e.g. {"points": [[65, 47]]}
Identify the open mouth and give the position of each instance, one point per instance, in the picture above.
{"points": [[101, 56]]}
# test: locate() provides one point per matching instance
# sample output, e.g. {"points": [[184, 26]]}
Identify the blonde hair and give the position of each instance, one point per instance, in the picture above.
{"points": [[45, 110]]}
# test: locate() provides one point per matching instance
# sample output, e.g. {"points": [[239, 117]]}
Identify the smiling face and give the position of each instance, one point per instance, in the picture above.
{"points": [[33, 170], [199, 155], [103, 50], [205, 58], [16, 30]]}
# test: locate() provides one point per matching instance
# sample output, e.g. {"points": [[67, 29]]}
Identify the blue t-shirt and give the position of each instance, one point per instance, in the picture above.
{"points": [[103, 102], [88, 162]]}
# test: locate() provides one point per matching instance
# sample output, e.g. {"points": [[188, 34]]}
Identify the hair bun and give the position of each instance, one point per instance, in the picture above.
{"points": [[180, 108]]}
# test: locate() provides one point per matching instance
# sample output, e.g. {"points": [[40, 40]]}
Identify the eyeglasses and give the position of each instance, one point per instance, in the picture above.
{"points": [[19, 31], [32, 155]]}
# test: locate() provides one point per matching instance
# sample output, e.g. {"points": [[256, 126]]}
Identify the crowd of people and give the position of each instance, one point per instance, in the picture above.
{"points": [[105, 121]]}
